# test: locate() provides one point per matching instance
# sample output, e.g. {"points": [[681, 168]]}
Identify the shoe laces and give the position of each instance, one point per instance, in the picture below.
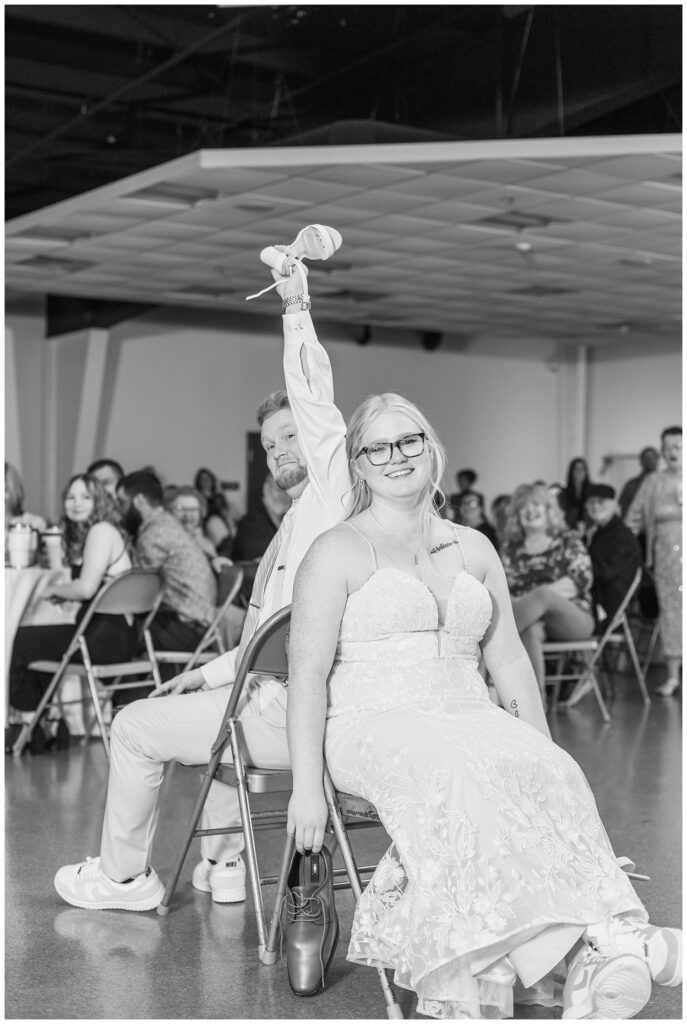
{"points": [[304, 269], [90, 868], [299, 908], [617, 935]]}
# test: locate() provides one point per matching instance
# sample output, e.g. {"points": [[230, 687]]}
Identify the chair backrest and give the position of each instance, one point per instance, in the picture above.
{"points": [[266, 654], [228, 587], [619, 615], [131, 593]]}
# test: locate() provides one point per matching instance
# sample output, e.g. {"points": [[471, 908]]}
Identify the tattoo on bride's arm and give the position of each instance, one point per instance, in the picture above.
{"points": [[514, 705]]}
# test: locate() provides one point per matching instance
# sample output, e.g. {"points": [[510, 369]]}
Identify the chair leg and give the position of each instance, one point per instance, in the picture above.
{"points": [[632, 651], [269, 955], [650, 649], [247, 824], [591, 673], [98, 711], [163, 908], [393, 1010], [25, 734]]}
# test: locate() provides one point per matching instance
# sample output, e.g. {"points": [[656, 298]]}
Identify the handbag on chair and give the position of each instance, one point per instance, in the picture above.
{"points": [[312, 926]]}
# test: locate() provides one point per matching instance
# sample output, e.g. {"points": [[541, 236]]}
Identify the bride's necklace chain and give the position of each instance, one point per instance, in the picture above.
{"points": [[413, 554]]}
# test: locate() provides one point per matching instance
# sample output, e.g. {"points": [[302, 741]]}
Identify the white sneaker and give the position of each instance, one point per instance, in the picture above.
{"points": [[605, 987], [660, 948], [668, 688], [313, 242], [85, 885], [226, 882], [581, 690]]}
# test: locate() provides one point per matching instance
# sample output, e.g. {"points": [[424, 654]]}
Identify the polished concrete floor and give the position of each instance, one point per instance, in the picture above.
{"points": [[200, 963]]}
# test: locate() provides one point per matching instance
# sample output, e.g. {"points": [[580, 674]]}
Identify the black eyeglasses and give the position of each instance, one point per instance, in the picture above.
{"points": [[381, 452]]}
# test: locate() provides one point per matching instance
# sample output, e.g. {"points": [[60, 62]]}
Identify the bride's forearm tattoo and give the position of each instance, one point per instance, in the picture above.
{"points": [[514, 706]]}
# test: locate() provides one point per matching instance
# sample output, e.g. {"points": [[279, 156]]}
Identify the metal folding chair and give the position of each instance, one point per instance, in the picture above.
{"points": [[135, 592], [266, 655], [588, 653], [346, 814], [211, 643]]}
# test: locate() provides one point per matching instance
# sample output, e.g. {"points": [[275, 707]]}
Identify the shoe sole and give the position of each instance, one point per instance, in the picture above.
{"points": [[326, 246], [141, 905], [620, 992], [676, 977]]}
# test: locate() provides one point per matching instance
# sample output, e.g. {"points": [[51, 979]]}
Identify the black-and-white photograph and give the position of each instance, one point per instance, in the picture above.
{"points": [[343, 512]]}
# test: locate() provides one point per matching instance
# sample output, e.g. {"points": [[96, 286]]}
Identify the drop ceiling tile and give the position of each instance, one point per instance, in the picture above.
{"points": [[572, 182], [638, 166], [503, 170], [639, 193], [637, 219], [364, 176]]}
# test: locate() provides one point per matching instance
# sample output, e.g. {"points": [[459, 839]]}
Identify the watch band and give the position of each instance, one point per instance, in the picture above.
{"points": [[302, 302]]}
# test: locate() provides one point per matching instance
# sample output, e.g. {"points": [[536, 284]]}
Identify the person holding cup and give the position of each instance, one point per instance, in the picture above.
{"points": [[95, 548]]}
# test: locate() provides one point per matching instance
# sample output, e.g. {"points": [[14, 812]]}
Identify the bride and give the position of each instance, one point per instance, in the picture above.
{"points": [[501, 883]]}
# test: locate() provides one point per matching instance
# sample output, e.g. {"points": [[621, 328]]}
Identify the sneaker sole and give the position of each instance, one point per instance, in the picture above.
{"points": [[671, 980], [620, 992], [228, 895], [151, 903]]}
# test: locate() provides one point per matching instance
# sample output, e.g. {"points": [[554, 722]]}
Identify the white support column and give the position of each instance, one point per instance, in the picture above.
{"points": [[13, 447], [91, 398], [51, 484]]}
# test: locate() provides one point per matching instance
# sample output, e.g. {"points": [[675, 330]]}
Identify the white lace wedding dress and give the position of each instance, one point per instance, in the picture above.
{"points": [[499, 857]]}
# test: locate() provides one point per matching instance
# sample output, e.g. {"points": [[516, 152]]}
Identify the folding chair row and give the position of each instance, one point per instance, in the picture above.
{"points": [[266, 655], [590, 652], [135, 592]]}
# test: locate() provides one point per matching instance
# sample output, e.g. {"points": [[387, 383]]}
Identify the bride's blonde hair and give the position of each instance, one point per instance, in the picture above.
{"points": [[366, 413]]}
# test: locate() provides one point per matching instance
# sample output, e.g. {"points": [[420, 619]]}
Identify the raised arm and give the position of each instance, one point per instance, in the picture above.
{"points": [[505, 657], [319, 600]]}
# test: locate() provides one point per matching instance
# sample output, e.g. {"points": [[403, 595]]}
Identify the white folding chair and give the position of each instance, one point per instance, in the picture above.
{"points": [[211, 643], [587, 654], [135, 592]]}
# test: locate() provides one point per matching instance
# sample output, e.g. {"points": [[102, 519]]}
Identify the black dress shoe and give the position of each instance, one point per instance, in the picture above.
{"points": [[312, 927]]}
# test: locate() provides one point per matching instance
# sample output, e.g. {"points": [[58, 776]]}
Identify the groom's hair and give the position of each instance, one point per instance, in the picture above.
{"points": [[273, 403]]}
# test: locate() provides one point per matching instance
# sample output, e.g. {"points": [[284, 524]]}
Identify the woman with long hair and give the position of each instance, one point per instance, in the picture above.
{"points": [[500, 868], [96, 550], [576, 492]]}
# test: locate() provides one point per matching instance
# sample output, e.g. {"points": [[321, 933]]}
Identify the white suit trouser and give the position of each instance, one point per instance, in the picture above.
{"points": [[148, 733]]}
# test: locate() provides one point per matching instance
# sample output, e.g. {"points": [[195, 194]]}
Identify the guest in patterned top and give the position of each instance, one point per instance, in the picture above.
{"points": [[549, 574], [162, 543]]}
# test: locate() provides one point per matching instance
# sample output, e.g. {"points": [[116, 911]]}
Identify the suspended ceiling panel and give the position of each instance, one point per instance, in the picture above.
{"points": [[576, 240]]}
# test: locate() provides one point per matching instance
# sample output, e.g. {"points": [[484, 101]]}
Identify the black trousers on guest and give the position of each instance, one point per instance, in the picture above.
{"points": [[169, 633], [110, 639]]}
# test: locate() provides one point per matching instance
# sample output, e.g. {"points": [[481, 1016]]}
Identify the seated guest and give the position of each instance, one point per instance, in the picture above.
{"points": [[217, 524], [499, 515], [648, 460], [162, 543], [466, 480], [255, 530], [188, 506], [14, 502], [96, 549], [471, 513], [549, 574], [108, 472], [573, 498], [614, 551]]}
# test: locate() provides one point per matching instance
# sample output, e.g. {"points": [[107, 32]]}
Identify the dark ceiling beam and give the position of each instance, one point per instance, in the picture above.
{"points": [[124, 90]]}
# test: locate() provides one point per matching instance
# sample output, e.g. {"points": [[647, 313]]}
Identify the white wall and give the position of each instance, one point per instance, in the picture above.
{"points": [[182, 389]]}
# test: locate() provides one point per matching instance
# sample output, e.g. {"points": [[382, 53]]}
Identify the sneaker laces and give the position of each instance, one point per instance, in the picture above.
{"points": [[90, 868], [616, 935], [287, 252]]}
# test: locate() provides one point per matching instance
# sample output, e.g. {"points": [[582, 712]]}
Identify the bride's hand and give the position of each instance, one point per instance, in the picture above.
{"points": [[307, 817]]}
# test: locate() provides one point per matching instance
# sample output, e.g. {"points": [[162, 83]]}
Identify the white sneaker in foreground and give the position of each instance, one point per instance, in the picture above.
{"points": [[600, 987], [225, 882], [661, 948], [85, 885]]}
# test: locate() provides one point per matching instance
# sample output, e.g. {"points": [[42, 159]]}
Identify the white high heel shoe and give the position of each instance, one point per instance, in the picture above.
{"points": [[313, 242]]}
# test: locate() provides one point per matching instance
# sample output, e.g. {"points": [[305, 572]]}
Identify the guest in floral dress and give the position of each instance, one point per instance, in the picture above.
{"points": [[549, 575]]}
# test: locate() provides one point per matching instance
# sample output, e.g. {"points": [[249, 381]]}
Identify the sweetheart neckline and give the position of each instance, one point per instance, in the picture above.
{"points": [[410, 576]]}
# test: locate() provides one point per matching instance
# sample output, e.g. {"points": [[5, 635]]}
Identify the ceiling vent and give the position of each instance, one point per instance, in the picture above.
{"points": [[518, 220], [541, 291]]}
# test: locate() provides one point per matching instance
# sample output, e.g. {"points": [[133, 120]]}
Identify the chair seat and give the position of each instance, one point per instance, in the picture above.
{"points": [[258, 780], [99, 671], [563, 646]]}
